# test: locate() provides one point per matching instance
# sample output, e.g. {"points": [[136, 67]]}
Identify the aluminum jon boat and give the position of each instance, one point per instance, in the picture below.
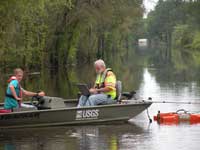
{"points": [[52, 111]]}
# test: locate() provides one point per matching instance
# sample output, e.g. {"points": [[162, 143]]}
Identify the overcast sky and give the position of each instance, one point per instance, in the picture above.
{"points": [[149, 5]]}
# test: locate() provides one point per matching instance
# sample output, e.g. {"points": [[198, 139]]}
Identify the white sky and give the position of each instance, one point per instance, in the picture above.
{"points": [[149, 5]]}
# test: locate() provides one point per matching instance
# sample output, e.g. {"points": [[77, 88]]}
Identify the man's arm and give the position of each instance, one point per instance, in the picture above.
{"points": [[105, 89], [110, 82], [95, 91]]}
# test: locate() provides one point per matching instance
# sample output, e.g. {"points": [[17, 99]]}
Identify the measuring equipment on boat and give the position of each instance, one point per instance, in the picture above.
{"points": [[177, 117]]}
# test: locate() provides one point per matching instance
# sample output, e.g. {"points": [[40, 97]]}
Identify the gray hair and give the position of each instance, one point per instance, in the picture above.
{"points": [[100, 62]]}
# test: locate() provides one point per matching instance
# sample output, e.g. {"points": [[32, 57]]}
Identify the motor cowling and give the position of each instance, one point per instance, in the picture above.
{"points": [[47, 102]]}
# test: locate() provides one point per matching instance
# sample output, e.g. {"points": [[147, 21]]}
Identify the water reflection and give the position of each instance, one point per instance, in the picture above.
{"points": [[169, 90], [62, 83], [138, 134], [83, 138]]}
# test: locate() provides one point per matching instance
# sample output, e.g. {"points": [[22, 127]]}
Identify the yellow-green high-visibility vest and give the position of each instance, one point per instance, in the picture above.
{"points": [[107, 79]]}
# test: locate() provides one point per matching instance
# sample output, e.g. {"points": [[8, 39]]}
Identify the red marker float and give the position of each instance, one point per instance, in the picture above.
{"points": [[177, 117]]}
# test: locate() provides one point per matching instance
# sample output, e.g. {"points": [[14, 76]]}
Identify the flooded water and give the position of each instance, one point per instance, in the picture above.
{"points": [[138, 134]]}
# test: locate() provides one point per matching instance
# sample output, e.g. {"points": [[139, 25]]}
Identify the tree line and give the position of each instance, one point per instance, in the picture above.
{"points": [[36, 34], [173, 29]]}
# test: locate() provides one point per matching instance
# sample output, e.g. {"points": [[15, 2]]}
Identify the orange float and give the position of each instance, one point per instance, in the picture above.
{"points": [[194, 118], [177, 117]]}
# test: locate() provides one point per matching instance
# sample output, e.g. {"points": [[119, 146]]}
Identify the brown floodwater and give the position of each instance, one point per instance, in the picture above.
{"points": [[138, 134]]}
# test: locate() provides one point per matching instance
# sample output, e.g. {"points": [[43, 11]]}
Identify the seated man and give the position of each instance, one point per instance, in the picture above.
{"points": [[104, 91], [15, 92]]}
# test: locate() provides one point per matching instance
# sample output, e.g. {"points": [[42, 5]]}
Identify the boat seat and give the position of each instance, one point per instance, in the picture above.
{"points": [[118, 90]]}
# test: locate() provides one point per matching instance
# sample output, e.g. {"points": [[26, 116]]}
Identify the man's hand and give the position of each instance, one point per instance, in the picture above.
{"points": [[93, 91]]}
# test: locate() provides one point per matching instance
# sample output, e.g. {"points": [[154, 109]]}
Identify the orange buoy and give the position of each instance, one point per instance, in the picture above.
{"points": [[194, 118], [176, 117], [170, 118]]}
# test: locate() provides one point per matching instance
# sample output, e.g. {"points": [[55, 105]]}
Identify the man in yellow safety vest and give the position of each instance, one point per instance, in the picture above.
{"points": [[104, 90]]}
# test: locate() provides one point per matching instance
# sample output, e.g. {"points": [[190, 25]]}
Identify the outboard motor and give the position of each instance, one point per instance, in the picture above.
{"points": [[48, 102], [118, 90]]}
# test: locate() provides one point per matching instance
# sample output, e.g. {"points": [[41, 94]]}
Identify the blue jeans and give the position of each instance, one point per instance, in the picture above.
{"points": [[95, 99]]}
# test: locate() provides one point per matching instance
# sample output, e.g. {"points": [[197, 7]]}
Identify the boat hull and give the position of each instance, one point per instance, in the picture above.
{"points": [[72, 116]]}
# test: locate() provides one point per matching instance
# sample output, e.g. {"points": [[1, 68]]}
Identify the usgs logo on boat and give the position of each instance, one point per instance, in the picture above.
{"points": [[87, 114]]}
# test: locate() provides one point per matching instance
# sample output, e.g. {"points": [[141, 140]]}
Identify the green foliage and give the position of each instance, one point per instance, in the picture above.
{"points": [[181, 41], [196, 41], [46, 33], [173, 30], [24, 30]]}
